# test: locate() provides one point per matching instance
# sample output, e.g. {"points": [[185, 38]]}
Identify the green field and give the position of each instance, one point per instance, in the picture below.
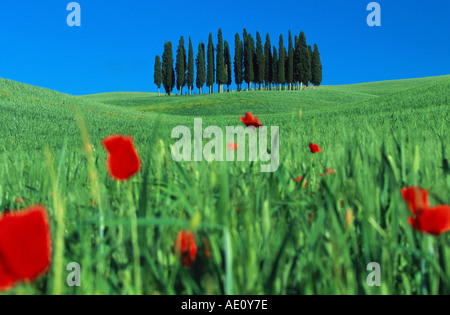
{"points": [[268, 234]]}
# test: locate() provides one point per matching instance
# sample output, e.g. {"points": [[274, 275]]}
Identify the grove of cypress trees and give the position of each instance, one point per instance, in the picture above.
{"points": [[268, 62], [210, 78], [180, 66], [281, 62], [168, 77], [290, 66], [190, 69], [249, 74], [201, 71], [259, 76], [316, 67], [274, 66], [228, 71], [238, 61], [157, 76]]}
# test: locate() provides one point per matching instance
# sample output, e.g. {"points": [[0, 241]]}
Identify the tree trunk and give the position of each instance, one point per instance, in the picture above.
{"points": [[190, 91], [201, 92], [249, 86], [159, 93]]}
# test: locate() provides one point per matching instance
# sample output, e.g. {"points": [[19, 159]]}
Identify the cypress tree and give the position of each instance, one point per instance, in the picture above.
{"points": [[201, 71], [157, 76], [249, 75], [238, 61], [210, 71], [228, 70], [281, 63], [310, 56], [190, 70], [221, 76], [290, 66], [286, 62], [259, 77], [180, 66], [275, 66], [316, 67], [305, 63], [167, 68], [268, 61]]}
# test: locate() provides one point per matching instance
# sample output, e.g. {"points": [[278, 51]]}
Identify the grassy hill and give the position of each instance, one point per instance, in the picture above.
{"points": [[267, 234]]}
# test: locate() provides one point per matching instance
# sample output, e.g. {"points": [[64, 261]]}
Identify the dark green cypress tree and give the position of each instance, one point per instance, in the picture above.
{"points": [[201, 71], [275, 66], [249, 74], [267, 62], [228, 70], [316, 67], [290, 66], [190, 69], [238, 61], [286, 63], [281, 62], [180, 66], [167, 68], [310, 57], [259, 77], [221, 76], [305, 63], [297, 65], [210, 78], [157, 76]]}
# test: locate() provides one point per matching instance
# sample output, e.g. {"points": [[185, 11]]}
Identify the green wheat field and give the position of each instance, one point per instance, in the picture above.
{"points": [[267, 234]]}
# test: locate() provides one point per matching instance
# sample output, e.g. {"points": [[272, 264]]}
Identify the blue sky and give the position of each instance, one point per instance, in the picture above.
{"points": [[115, 47]]}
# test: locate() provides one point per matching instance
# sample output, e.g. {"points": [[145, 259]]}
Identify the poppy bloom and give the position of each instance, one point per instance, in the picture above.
{"points": [[329, 171], [123, 160], [25, 246], [299, 179], [314, 148], [186, 247], [249, 120], [232, 146], [426, 219]]}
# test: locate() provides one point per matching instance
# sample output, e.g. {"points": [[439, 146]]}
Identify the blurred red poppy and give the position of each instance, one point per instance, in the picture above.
{"points": [[186, 247], [249, 120], [232, 146], [299, 179], [25, 246], [123, 160], [426, 219], [314, 148]]}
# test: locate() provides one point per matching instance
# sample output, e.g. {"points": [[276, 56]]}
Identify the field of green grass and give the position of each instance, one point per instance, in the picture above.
{"points": [[267, 233]]}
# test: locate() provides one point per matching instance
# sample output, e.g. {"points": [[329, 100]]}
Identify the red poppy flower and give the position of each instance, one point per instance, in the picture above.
{"points": [[186, 247], [314, 148], [123, 160], [232, 146], [299, 179], [25, 246], [426, 219], [250, 121]]}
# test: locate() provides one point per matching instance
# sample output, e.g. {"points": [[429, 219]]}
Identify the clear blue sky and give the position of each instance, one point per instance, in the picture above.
{"points": [[115, 47]]}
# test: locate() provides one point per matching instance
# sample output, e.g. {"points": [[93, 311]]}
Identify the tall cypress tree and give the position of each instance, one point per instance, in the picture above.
{"points": [[210, 56], [305, 63], [238, 61], [281, 62], [310, 57], [180, 66], [259, 77], [228, 70], [221, 76], [201, 71], [167, 68], [190, 69], [268, 61], [274, 66], [290, 66], [249, 74], [157, 76], [316, 67]]}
